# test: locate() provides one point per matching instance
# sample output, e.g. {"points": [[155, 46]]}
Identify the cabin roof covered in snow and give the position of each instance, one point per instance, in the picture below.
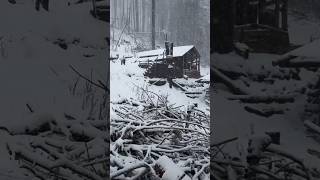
{"points": [[177, 51], [311, 50]]}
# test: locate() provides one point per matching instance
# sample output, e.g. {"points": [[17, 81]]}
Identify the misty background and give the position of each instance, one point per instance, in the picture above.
{"points": [[183, 22]]}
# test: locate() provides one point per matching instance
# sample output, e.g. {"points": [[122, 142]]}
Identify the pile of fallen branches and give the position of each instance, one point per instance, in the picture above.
{"points": [[60, 149], [67, 146], [262, 160], [151, 139]]}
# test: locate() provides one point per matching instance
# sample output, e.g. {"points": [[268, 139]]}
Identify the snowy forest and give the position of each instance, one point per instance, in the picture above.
{"points": [[182, 22], [54, 95], [265, 70], [136, 89]]}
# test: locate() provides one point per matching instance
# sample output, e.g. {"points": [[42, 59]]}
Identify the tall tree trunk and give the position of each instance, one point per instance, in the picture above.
{"points": [[277, 13], [261, 6], [284, 15], [123, 13], [153, 25], [222, 25], [115, 12], [143, 15], [137, 15]]}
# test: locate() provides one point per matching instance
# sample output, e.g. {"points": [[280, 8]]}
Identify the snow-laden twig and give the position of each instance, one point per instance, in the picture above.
{"points": [[142, 134]]}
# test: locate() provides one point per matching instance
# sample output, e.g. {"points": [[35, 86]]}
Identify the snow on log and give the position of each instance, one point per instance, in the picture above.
{"points": [[263, 98], [283, 61], [168, 170], [265, 112], [236, 88], [128, 169], [312, 126]]}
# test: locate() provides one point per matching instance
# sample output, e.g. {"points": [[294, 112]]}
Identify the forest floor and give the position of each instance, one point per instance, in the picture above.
{"points": [[260, 79], [131, 93], [37, 81]]}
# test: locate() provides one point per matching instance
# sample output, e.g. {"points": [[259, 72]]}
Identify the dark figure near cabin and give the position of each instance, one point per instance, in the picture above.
{"points": [[169, 79], [170, 75], [44, 4], [123, 61]]}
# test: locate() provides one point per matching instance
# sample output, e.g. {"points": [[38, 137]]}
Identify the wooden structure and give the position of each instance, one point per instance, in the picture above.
{"points": [[262, 25], [266, 12], [183, 61], [101, 10]]}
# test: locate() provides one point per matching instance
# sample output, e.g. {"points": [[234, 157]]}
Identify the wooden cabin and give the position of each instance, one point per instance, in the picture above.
{"points": [[178, 62], [262, 25], [101, 10]]}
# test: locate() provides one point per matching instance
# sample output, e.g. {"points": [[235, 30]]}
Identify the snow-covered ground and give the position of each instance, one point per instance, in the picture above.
{"points": [[260, 78], [35, 70], [128, 84], [124, 79], [303, 29]]}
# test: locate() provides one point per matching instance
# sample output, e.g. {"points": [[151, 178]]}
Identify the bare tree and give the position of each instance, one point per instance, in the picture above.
{"points": [[153, 22]]}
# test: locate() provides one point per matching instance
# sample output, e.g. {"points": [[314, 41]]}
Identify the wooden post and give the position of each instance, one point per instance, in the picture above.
{"points": [[277, 13], [183, 66], [284, 15]]}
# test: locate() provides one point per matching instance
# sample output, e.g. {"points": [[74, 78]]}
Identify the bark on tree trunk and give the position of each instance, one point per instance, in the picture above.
{"points": [[277, 13], [153, 36], [222, 25], [143, 15], [284, 15], [137, 25], [115, 12]]}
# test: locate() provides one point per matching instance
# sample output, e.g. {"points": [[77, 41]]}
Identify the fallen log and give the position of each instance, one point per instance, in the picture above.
{"points": [[231, 72], [265, 112], [312, 126], [213, 144], [178, 85], [237, 89], [304, 63], [168, 170], [159, 82], [283, 61], [298, 160], [263, 98], [195, 92], [314, 152]]}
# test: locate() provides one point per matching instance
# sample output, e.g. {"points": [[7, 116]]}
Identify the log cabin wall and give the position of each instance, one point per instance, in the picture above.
{"points": [[262, 25], [265, 12], [188, 64], [191, 63]]}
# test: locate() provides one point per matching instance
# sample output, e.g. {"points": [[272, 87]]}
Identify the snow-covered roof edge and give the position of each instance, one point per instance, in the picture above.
{"points": [[311, 50], [177, 51]]}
